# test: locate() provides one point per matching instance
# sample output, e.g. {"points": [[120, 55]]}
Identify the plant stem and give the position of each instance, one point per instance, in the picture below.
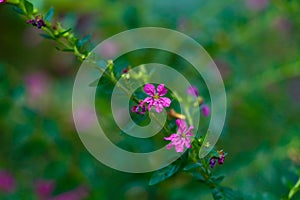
{"points": [[294, 190]]}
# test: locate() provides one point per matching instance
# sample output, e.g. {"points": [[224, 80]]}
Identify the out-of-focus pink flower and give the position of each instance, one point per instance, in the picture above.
{"points": [[37, 85], [84, 118], [76, 194], [283, 25], [182, 138], [44, 188], [205, 110], [2, 1], [192, 90], [156, 98], [108, 50], [7, 182], [257, 5]]}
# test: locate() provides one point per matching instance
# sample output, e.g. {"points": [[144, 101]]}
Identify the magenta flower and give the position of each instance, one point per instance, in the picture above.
{"points": [[44, 188], [212, 162], [192, 90], [7, 182], [205, 110], [78, 193], [139, 109], [2, 1], [156, 98], [37, 21], [257, 5], [182, 138]]}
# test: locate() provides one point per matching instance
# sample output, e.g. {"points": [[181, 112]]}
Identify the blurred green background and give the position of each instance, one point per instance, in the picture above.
{"points": [[256, 46]]}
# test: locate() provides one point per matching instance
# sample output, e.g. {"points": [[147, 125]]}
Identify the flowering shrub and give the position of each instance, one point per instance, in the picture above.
{"points": [[179, 132]]}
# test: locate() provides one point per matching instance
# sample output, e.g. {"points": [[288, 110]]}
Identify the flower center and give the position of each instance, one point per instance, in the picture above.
{"points": [[156, 96]]}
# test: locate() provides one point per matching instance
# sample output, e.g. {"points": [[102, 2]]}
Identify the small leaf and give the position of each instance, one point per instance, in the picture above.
{"points": [[164, 173], [224, 193], [94, 83], [46, 36], [192, 166], [68, 50], [18, 10], [217, 179], [84, 40], [28, 7], [49, 15], [64, 32], [198, 176]]}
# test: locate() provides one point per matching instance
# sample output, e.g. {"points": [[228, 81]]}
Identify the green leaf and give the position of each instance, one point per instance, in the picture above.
{"points": [[84, 40], [224, 193], [192, 166], [66, 31], [217, 179], [170, 170], [164, 173], [46, 36], [18, 10], [94, 83], [49, 15], [28, 7]]}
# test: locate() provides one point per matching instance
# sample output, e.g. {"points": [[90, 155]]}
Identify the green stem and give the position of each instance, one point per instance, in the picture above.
{"points": [[295, 189]]}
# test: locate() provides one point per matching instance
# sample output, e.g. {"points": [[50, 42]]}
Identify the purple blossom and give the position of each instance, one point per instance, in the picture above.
{"points": [[257, 5], [7, 182], [44, 188], [192, 90], [37, 21], [139, 109], [75, 194], [2, 1], [212, 162], [156, 98], [181, 138], [205, 110], [221, 159]]}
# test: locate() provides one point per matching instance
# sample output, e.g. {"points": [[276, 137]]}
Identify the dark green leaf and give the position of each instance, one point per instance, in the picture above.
{"points": [[49, 15], [164, 173], [192, 166], [46, 36], [28, 7], [18, 10], [94, 83], [62, 33], [224, 193], [217, 179], [84, 40]]}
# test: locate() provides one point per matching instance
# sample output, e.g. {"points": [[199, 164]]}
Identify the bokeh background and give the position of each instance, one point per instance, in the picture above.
{"points": [[256, 46]]}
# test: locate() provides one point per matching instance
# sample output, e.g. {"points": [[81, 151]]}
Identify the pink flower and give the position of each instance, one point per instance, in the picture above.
{"points": [[257, 5], [156, 98], [2, 1], [75, 194], [44, 188], [7, 182], [139, 109], [205, 110], [181, 138], [192, 90]]}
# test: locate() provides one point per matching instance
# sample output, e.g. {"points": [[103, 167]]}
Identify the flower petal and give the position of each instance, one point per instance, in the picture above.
{"points": [[193, 91], [161, 90], [170, 137], [165, 101], [181, 125], [149, 89]]}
